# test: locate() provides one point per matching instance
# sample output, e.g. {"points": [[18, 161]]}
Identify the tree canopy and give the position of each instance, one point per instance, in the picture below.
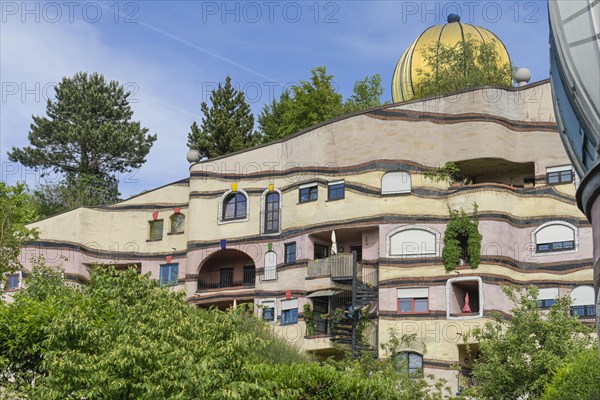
{"points": [[124, 337], [227, 125], [314, 101], [88, 130], [518, 357], [17, 211], [467, 64]]}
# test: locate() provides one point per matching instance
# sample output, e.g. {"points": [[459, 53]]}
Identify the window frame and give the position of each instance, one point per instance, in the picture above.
{"points": [[406, 356], [324, 246], [535, 246], [172, 218], [543, 303], [270, 301], [413, 301], [8, 278], [170, 266], [162, 229], [589, 311], [335, 186], [275, 214], [558, 174], [312, 188], [388, 241], [234, 196], [287, 246], [293, 315]]}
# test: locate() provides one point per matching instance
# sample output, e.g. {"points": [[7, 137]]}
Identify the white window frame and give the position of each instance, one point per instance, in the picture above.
{"points": [[265, 267], [388, 241], [548, 253], [263, 203], [262, 303], [449, 283], [220, 220]]}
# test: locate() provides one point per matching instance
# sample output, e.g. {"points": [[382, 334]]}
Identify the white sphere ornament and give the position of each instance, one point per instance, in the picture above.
{"points": [[522, 76], [193, 156]]}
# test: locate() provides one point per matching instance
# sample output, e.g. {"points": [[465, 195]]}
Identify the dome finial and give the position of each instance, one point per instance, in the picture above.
{"points": [[453, 18]]}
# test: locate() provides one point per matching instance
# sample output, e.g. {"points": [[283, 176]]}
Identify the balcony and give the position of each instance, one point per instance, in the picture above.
{"points": [[227, 269], [227, 279], [337, 266]]}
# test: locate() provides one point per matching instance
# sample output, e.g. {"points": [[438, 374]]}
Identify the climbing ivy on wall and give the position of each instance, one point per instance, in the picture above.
{"points": [[462, 239]]}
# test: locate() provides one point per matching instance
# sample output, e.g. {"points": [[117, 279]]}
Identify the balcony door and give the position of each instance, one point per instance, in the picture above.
{"points": [[226, 277]]}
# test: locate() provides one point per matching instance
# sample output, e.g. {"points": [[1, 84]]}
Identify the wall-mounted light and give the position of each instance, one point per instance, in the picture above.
{"points": [[234, 187]]}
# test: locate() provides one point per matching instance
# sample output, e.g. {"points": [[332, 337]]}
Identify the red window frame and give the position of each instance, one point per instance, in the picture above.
{"points": [[412, 305]]}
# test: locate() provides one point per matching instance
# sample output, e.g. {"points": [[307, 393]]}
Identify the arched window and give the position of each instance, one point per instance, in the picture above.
{"points": [[553, 237], [177, 223], [582, 301], [410, 362], [272, 212], [413, 240], [234, 207], [396, 182], [270, 266]]}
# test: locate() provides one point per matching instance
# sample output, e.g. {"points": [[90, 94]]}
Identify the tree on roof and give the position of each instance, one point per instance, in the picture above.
{"points": [[467, 64], [227, 125]]}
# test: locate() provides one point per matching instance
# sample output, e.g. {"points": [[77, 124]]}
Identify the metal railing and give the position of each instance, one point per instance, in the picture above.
{"points": [[224, 279], [336, 266]]}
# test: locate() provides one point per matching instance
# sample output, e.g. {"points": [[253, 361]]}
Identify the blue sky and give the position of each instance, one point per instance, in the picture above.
{"points": [[170, 54]]}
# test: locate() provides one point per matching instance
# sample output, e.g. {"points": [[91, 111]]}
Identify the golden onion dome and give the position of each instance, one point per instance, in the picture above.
{"points": [[406, 77]]}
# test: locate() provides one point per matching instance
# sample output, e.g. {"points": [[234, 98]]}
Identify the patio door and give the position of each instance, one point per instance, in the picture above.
{"points": [[226, 278]]}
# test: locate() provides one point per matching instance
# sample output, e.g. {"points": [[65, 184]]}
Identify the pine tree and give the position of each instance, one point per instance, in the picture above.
{"points": [[227, 126], [87, 131]]}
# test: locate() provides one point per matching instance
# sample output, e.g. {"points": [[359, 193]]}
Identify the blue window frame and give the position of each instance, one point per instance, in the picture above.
{"points": [[13, 282], [289, 317], [169, 274], [583, 311], [336, 191], [290, 252], [310, 193], [268, 314], [547, 303]]}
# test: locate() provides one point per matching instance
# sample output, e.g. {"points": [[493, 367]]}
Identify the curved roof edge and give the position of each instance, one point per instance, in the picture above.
{"points": [[362, 112], [185, 180]]}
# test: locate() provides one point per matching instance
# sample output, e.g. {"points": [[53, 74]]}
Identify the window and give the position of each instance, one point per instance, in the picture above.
{"points": [[290, 252], [270, 266], [464, 298], [177, 223], [553, 237], [335, 191], [156, 230], [267, 310], [395, 183], [249, 275], [413, 300], [13, 282], [547, 303], [309, 192], [321, 251], [582, 302], [557, 175], [272, 212], [289, 312], [169, 274], [410, 362], [234, 207], [413, 241]]}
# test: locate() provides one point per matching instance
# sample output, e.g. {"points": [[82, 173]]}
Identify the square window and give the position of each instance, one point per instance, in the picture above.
{"points": [[268, 314], [310, 193], [13, 282], [289, 317], [547, 303], [290, 252], [405, 305], [553, 177], [169, 274], [336, 191], [321, 251], [156, 230], [421, 305]]}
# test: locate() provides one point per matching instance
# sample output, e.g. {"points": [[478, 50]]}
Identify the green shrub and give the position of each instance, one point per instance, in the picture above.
{"points": [[577, 379]]}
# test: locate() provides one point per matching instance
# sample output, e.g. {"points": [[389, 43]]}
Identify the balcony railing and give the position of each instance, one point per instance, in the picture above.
{"points": [[338, 266], [224, 279]]}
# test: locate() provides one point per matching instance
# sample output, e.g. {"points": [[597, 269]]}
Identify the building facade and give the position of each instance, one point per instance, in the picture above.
{"points": [[341, 217], [575, 75]]}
